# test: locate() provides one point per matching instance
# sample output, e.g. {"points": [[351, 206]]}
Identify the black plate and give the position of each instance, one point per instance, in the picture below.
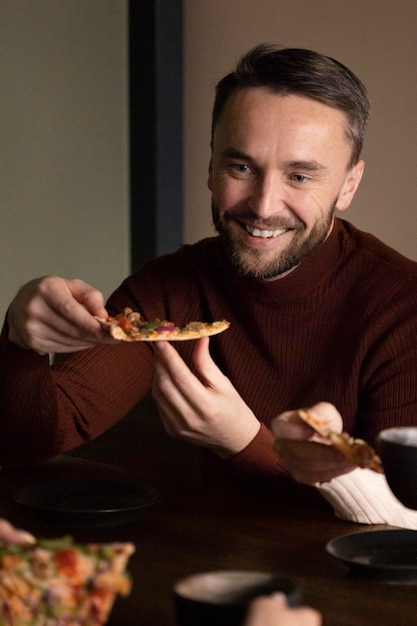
{"points": [[87, 502], [383, 554]]}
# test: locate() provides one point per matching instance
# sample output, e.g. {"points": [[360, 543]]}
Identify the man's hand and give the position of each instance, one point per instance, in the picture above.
{"points": [[204, 409], [273, 611], [52, 314], [308, 457]]}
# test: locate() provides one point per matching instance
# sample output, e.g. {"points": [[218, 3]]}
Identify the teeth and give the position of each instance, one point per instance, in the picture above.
{"points": [[265, 234]]}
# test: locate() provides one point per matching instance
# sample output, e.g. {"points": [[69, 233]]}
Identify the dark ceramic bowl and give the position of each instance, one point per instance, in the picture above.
{"points": [[221, 598], [398, 452]]}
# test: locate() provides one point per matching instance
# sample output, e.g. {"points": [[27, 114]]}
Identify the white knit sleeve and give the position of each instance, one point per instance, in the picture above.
{"points": [[364, 496]]}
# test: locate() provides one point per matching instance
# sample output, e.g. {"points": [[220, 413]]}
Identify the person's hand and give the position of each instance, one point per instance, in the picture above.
{"points": [[308, 457], [10, 534], [202, 408], [273, 611], [53, 314]]}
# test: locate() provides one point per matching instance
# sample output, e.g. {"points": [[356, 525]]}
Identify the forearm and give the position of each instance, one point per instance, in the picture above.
{"points": [[363, 496], [45, 411], [27, 405]]}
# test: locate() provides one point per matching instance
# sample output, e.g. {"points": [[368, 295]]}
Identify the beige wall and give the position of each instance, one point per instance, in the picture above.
{"points": [[64, 171], [375, 38], [64, 164]]}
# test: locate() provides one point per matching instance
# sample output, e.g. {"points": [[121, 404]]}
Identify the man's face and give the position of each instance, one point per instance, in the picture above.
{"points": [[279, 169]]}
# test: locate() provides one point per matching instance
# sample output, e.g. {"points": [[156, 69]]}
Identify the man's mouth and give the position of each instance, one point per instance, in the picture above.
{"points": [[265, 234]]}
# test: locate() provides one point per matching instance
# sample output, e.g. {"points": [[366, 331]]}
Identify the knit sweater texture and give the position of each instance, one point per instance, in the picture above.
{"points": [[341, 327]]}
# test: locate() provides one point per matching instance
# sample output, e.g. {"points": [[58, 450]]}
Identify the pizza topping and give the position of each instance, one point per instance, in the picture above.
{"points": [[125, 324], [357, 451], [130, 326], [58, 582]]}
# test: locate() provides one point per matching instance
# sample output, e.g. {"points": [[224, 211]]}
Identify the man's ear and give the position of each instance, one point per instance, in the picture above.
{"points": [[353, 178], [210, 174]]}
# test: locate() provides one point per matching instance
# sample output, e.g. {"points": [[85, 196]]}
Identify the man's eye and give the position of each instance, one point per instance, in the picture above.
{"points": [[299, 178], [241, 168]]}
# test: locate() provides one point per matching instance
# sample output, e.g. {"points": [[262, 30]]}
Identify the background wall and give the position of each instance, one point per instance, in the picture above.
{"points": [[375, 38], [64, 160]]}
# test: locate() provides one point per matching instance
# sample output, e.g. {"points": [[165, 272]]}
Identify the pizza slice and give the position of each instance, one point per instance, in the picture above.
{"points": [[60, 583], [357, 451], [130, 326]]}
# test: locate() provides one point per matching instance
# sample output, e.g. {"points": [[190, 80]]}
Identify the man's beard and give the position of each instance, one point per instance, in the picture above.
{"points": [[259, 263]]}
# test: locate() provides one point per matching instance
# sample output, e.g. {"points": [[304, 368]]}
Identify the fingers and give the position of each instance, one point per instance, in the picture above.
{"points": [[91, 298], [289, 425], [168, 382], [10, 534], [207, 369], [178, 392], [174, 373], [273, 611], [72, 303], [308, 456], [309, 462], [266, 611], [170, 370], [53, 314], [328, 414], [202, 407]]}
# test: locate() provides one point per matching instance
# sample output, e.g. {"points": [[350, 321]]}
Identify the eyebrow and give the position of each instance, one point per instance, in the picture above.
{"points": [[311, 166], [232, 153]]}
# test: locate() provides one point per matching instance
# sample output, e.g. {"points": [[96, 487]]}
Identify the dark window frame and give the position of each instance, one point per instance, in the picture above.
{"points": [[155, 128]]}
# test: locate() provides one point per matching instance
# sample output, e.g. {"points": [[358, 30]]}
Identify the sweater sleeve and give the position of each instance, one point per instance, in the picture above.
{"points": [[259, 458], [363, 496], [47, 410]]}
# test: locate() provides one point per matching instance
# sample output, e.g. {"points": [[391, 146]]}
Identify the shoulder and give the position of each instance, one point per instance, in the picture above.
{"points": [[378, 282], [374, 254]]}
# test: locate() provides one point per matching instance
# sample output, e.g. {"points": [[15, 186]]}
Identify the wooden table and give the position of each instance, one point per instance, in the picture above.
{"points": [[192, 529]]}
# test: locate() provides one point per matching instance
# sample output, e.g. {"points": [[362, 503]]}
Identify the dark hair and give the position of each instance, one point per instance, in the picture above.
{"points": [[305, 73]]}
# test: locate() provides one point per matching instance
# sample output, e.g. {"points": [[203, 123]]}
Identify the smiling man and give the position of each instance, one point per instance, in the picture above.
{"points": [[322, 315], [280, 168]]}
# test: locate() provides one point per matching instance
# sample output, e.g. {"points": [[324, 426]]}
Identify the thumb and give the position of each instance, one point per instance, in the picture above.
{"points": [[205, 366], [88, 296], [328, 414]]}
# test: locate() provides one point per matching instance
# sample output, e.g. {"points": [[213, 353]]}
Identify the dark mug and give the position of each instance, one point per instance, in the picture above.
{"points": [[398, 451], [221, 598]]}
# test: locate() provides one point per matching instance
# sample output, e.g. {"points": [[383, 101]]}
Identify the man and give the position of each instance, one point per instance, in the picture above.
{"points": [[318, 310]]}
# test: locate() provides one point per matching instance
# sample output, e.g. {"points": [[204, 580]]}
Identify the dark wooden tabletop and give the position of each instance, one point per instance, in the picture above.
{"points": [[192, 529]]}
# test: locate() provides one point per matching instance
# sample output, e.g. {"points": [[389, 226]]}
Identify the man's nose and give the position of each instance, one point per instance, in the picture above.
{"points": [[267, 197]]}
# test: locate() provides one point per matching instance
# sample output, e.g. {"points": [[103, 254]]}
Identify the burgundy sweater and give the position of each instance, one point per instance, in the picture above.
{"points": [[341, 327]]}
